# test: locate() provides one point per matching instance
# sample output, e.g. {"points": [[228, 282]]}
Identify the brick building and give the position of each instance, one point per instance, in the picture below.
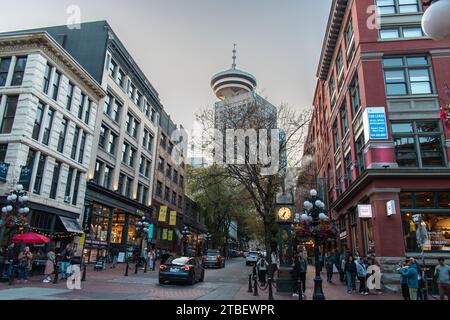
{"points": [[376, 137]]}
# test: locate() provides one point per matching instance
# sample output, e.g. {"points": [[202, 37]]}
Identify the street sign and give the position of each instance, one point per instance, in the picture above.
{"points": [[150, 232], [162, 214], [4, 167], [365, 211], [173, 218], [25, 176], [390, 208]]}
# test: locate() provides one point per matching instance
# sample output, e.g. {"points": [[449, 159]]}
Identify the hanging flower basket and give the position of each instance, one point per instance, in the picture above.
{"points": [[13, 220], [302, 230]]}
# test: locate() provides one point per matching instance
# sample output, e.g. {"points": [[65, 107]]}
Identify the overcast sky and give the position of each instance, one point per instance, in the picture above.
{"points": [[181, 44]]}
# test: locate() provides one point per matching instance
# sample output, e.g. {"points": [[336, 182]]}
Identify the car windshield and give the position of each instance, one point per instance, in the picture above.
{"points": [[212, 253], [179, 261], [253, 253]]}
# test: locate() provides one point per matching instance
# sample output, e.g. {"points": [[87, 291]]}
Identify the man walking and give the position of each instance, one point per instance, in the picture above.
{"points": [[442, 274], [10, 260], [261, 268], [411, 275], [114, 256]]}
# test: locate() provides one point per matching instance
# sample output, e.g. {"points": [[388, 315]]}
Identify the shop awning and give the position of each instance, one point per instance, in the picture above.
{"points": [[71, 225]]}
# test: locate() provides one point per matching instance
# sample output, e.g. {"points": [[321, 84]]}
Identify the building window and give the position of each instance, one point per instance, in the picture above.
{"points": [[355, 96], [56, 82], [82, 147], [62, 135], [120, 78], [158, 189], [139, 192], [175, 176], [19, 71], [107, 105], [344, 117], [30, 164], [332, 92], [350, 41], [112, 143], [116, 111], [180, 202], [76, 136], [125, 148], [46, 81], [418, 144], [145, 195], [76, 188], [132, 157], [107, 173], [9, 114], [55, 180], [386, 7], [348, 169], [70, 91], [48, 127], [128, 183], [3, 150], [181, 182], [97, 171], [174, 198], [169, 171], [112, 68], [161, 164], [167, 194], [339, 180], [147, 109], [153, 116], [360, 156], [39, 174], [135, 128], [137, 99], [102, 136], [38, 121], [69, 185], [407, 75], [336, 139], [4, 70], [87, 113], [121, 183], [401, 33], [131, 89], [81, 106]]}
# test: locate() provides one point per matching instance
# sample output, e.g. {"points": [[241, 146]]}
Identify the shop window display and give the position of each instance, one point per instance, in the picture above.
{"points": [[434, 229], [118, 225]]}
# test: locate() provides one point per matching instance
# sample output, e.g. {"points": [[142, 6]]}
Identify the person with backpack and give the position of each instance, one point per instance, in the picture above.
{"points": [[25, 258], [262, 267], [350, 272], [329, 262]]}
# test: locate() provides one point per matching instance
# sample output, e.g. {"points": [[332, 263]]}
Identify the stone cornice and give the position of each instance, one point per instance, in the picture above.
{"points": [[42, 41]]}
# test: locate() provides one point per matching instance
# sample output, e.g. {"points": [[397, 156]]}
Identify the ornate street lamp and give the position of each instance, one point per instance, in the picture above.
{"points": [[141, 229], [15, 212], [314, 215], [185, 234]]}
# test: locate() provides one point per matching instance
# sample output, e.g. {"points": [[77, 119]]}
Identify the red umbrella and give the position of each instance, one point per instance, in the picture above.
{"points": [[31, 238]]}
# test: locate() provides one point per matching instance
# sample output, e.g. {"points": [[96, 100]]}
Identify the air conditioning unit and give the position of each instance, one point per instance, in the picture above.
{"points": [[67, 199]]}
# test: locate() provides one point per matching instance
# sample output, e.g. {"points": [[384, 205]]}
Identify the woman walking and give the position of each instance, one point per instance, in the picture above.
{"points": [[362, 276], [50, 266], [350, 272], [329, 261]]}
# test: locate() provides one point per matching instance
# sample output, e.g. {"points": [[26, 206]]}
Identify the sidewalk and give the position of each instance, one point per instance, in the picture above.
{"points": [[332, 291]]}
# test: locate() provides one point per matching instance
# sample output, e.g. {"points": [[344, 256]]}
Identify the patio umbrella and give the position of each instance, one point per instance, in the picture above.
{"points": [[30, 238]]}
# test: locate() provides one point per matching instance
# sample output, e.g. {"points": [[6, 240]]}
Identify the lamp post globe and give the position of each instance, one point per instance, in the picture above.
{"points": [[19, 187], [436, 21]]}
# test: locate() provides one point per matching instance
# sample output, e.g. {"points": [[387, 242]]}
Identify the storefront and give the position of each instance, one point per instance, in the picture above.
{"points": [[110, 222]]}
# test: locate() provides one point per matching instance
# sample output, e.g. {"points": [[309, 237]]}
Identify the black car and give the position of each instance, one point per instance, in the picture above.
{"points": [[213, 258], [182, 270]]}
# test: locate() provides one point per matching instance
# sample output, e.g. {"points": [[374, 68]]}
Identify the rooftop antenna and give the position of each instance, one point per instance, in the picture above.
{"points": [[234, 57]]}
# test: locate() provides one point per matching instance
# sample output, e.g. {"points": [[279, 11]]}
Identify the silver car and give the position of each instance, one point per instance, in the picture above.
{"points": [[252, 258]]}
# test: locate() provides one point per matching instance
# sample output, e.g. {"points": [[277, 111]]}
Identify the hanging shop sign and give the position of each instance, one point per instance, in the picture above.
{"points": [[150, 232], [164, 234], [4, 167], [170, 235], [173, 218], [162, 214], [365, 211], [375, 124], [390, 208], [25, 176]]}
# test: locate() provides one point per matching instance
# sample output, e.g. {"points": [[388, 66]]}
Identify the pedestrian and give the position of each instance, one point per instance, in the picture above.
{"points": [[420, 274], [261, 267], [361, 269], [299, 275], [342, 265], [151, 259], [442, 275], [114, 253], [350, 272], [321, 261], [50, 266], [66, 256], [404, 281], [274, 261], [329, 262], [25, 258], [11, 260], [337, 263], [411, 275]]}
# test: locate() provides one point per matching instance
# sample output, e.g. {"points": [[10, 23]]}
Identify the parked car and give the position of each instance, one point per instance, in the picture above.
{"points": [[214, 258], [182, 270], [251, 258]]}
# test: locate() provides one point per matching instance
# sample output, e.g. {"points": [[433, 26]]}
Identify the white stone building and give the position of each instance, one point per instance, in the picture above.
{"points": [[48, 113]]}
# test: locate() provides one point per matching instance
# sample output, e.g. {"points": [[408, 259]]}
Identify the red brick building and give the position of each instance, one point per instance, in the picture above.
{"points": [[376, 135]]}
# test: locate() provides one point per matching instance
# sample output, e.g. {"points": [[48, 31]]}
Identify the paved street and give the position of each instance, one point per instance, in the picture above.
{"points": [[230, 283]]}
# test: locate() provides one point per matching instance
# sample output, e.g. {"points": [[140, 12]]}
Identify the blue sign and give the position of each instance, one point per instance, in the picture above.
{"points": [[4, 167], [25, 177], [150, 232], [377, 123]]}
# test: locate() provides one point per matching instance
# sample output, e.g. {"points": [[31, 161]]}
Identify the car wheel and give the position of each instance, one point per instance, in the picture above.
{"points": [[161, 281]]}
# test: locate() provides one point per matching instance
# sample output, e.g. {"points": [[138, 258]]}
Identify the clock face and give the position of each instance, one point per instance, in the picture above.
{"points": [[284, 214]]}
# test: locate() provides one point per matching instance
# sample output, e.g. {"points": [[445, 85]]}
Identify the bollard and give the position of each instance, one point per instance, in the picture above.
{"points": [[299, 290], [126, 269], [84, 273], [270, 289], [11, 278], [250, 289], [255, 285]]}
